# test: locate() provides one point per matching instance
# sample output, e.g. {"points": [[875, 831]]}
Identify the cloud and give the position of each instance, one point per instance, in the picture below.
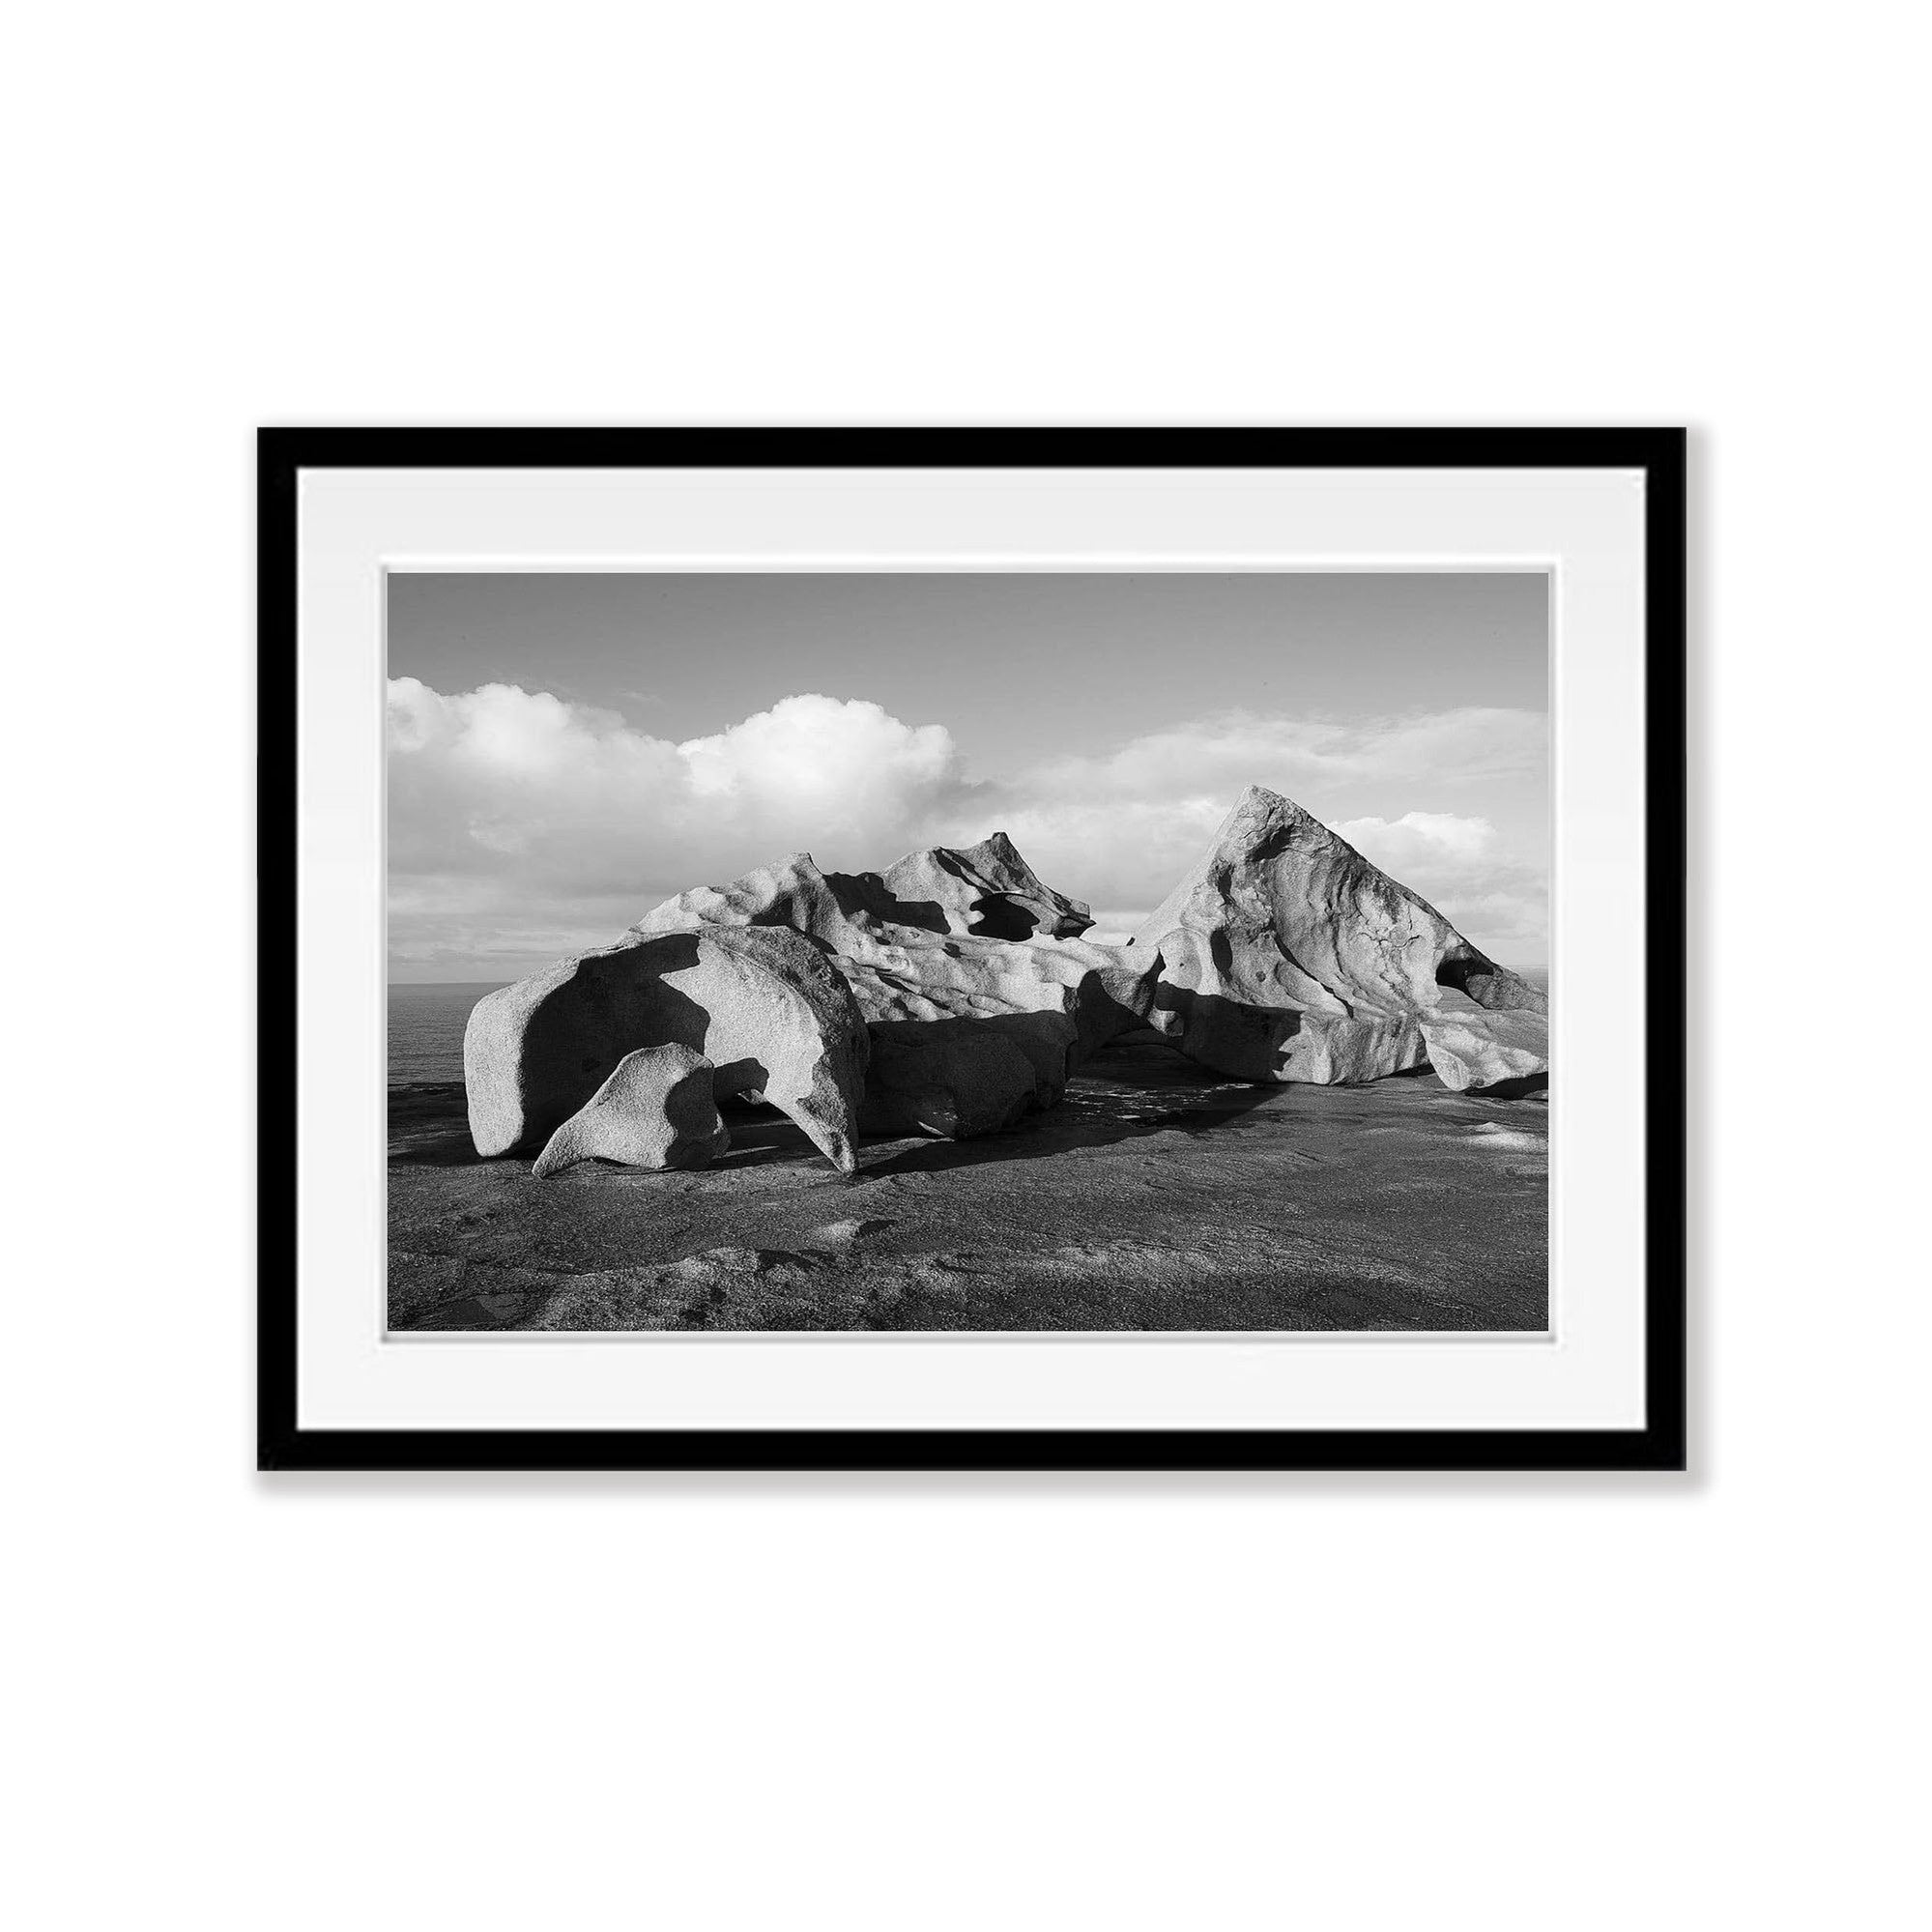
{"points": [[510, 782], [523, 826], [841, 769], [1226, 751], [1418, 836]]}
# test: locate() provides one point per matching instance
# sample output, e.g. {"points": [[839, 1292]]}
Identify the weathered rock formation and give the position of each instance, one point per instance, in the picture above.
{"points": [[953, 994], [658, 1109], [762, 1006], [901, 960], [987, 889], [970, 1030], [1287, 955], [1475, 1048]]}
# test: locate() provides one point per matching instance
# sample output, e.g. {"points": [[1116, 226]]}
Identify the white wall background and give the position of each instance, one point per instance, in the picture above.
{"points": [[970, 1704]]}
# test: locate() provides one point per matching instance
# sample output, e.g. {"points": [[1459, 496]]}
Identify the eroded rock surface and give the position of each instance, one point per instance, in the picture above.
{"points": [[909, 946], [763, 1006], [1287, 955], [988, 891], [1485, 1050], [658, 1110], [903, 961]]}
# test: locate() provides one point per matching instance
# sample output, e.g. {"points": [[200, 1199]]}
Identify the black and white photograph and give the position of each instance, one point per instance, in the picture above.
{"points": [[903, 1021], [969, 951]]}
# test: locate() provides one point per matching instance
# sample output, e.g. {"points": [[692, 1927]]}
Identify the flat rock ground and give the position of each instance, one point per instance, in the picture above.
{"points": [[1155, 1196]]}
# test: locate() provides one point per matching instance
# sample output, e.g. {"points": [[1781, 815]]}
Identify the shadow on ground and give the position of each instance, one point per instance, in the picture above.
{"points": [[1152, 1197]]}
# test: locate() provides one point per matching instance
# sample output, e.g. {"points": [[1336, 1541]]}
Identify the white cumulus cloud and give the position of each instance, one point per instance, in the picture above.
{"points": [[516, 814]]}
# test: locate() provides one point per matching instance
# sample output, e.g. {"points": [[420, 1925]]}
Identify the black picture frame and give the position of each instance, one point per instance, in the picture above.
{"points": [[1660, 1444]]}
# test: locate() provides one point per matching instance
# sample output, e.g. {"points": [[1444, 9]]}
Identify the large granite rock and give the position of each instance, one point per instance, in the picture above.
{"points": [[1287, 956], [658, 1109], [763, 1005], [904, 958]]}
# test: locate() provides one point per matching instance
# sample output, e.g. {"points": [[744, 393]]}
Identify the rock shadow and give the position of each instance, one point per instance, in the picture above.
{"points": [[1527, 1087], [996, 917], [1104, 1106], [1087, 1116], [865, 895]]}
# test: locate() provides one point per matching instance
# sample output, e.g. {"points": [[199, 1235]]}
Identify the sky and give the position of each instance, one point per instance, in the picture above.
{"points": [[565, 751]]}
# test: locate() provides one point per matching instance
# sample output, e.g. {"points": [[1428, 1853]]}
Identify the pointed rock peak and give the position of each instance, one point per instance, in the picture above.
{"points": [[1280, 914], [1259, 808], [990, 890], [1260, 826], [999, 850]]}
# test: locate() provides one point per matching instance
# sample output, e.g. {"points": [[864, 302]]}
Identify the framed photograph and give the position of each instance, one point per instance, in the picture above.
{"points": [[972, 949]]}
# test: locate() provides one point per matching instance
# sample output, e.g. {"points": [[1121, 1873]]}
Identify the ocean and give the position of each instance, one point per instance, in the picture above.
{"points": [[427, 1030], [426, 1025]]}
